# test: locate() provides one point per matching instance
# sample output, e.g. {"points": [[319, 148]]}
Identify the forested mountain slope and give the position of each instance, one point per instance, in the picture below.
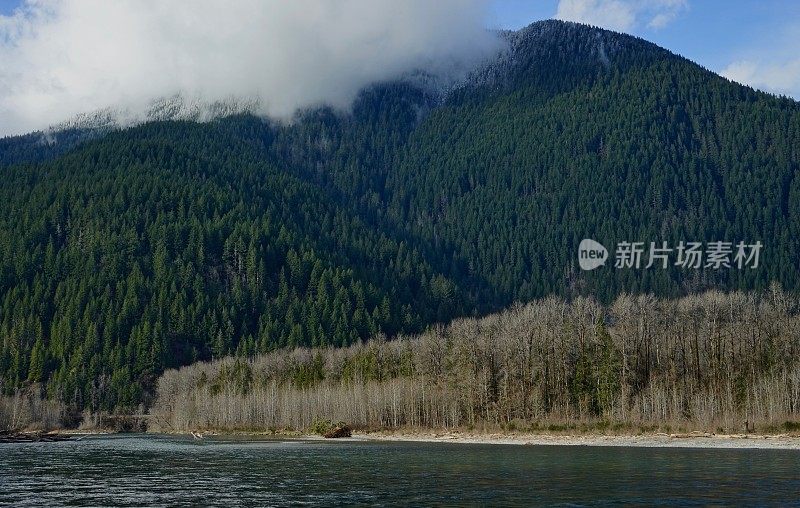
{"points": [[180, 241], [159, 245], [581, 133]]}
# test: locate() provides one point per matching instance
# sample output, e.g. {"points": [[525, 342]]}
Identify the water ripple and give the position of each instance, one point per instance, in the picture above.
{"points": [[176, 471]]}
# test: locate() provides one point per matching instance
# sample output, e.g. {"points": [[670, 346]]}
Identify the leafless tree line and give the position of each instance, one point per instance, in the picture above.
{"points": [[711, 361], [27, 409]]}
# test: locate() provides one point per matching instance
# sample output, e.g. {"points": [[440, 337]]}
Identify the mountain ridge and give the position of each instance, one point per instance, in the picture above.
{"points": [[157, 245], [518, 46]]}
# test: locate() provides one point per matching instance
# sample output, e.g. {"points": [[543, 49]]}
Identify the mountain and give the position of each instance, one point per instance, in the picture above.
{"points": [[62, 137], [126, 251]]}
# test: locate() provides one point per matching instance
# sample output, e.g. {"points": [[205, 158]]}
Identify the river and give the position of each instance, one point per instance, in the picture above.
{"points": [[147, 470]]}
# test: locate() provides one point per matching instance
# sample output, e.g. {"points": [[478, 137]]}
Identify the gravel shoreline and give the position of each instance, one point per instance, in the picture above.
{"points": [[693, 440], [658, 440]]}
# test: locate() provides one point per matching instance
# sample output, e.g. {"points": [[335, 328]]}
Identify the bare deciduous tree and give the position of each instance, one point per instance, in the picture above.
{"points": [[704, 361]]}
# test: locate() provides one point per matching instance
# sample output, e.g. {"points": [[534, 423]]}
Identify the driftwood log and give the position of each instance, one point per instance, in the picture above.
{"points": [[7, 436], [339, 431]]}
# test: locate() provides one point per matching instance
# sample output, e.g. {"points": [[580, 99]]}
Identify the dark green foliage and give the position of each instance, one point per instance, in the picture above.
{"points": [[595, 381], [41, 146], [176, 242], [172, 242]]}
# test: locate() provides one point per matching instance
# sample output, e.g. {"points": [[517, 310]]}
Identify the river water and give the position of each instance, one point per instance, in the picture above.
{"points": [[146, 470]]}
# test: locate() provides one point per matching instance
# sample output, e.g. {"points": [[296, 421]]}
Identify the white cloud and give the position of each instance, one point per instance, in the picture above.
{"points": [[662, 19], [776, 77], [613, 14], [64, 57], [621, 15], [773, 65]]}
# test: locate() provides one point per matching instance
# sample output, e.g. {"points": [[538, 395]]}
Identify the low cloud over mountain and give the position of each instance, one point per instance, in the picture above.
{"points": [[66, 57]]}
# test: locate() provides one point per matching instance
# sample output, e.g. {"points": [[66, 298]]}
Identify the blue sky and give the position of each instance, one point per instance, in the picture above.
{"points": [[6, 6]]}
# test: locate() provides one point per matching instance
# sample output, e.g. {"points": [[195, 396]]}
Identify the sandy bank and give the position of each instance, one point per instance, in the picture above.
{"points": [[692, 440], [656, 440]]}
